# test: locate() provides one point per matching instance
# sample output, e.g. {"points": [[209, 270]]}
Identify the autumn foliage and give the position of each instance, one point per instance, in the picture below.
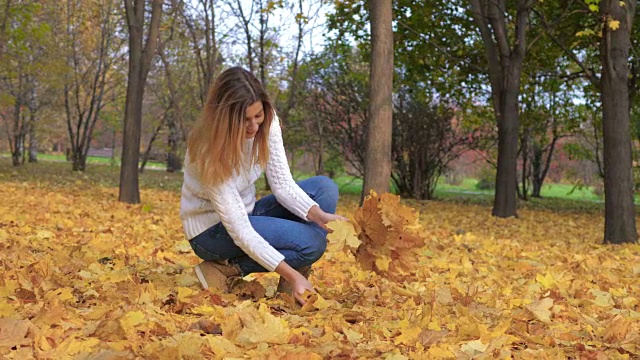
{"points": [[84, 276], [385, 236]]}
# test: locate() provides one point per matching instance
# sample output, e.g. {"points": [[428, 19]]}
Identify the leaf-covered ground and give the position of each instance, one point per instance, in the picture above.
{"points": [[84, 276]]}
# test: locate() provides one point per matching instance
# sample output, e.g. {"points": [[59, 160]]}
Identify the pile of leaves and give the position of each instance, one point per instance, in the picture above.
{"points": [[86, 277], [385, 237]]}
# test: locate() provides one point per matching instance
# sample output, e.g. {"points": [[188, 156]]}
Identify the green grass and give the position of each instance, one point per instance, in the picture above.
{"points": [[565, 191], [60, 174], [54, 171], [94, 160], [353, 185]]}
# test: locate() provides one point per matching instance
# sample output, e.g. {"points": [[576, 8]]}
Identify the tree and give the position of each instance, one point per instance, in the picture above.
{"points": [[620, 214], [379, 128], [301, 20], [336, 106], [426, 138], [174, 121], [140, 56], [4, 20], [505, 63], [24, 73], [548, 115], [201, 27], [614, 20], [90, 57]]}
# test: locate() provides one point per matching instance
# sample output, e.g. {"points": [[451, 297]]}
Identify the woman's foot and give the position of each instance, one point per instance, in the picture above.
{"points": [[216, 276], [285, 288]]}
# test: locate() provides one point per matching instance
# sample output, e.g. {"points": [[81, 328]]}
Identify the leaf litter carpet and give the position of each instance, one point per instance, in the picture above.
{"points": [[86, 277]]}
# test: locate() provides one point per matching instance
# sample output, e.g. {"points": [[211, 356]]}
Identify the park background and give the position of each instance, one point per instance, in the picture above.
{"points": [[502, 118]]}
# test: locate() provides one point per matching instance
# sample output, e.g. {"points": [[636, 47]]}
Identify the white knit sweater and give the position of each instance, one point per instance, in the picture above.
{"points": [[202, 207]]}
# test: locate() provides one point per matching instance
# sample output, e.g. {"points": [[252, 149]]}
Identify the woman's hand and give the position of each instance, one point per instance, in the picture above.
{"points": [[299, 284], [321, 218]]}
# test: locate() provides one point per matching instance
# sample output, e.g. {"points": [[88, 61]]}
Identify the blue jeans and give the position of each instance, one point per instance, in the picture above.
{"points": [[302, 243]]}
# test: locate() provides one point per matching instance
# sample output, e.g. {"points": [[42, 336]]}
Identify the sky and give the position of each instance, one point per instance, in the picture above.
{"points": [[283, 20]]}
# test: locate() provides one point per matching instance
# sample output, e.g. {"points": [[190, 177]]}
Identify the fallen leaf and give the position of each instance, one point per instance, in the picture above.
{"points": [[541, 309], [16, 333]]}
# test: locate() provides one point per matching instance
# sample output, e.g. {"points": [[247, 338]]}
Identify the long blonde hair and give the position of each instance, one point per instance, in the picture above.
{"points": [[216, 141]]}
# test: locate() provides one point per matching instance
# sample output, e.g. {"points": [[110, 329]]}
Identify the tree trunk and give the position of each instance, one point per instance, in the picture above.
{"points": [[174, 162], [139, 64], [262, 57], [33, 143], [505, 69], [537, 178], [147, 152], [540, 168], [33, 110], [17, 151], [524, 151], [379, 129], [320, 164], [505, 202], [78, 160], [620, 215]]}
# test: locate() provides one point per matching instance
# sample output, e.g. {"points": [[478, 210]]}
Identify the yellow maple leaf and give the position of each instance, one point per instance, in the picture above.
{"points": [[344, 234], [541, 309], [440, 351], [408, 336], [602, 298], [45, 235], [628, 301], [131, 320], [473, 348], [222, 346], [62, 294], [613, 24], [77, 346], [352, 335], [261, 326], [547, 281], [395, 356], [184, 293], [394, 214], [382, 263], [206, 310]]}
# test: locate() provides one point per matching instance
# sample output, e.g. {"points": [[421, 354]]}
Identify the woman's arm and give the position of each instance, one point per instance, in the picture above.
{"points": [[226, 201], [278, 173], [228, 204]]}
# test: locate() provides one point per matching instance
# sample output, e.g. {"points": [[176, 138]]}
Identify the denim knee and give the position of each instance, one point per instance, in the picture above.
{"points": [[316, 250], [329, 193]]}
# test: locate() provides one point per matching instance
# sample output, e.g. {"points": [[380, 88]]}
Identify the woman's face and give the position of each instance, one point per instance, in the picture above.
{"points": [[253, 119]]}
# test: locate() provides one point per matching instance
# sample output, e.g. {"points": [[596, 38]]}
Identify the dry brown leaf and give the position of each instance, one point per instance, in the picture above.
{"points": [[16, 333]]}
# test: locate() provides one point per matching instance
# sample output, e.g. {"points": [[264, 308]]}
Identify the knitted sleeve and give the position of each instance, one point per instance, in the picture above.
{"points": [[282, 184], [228, 204]]}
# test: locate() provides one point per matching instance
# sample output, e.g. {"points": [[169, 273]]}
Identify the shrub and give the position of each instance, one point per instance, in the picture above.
{"points": [[453, 177], [486, 179]]}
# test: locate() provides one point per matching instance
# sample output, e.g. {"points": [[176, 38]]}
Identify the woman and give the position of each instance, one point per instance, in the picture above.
{"points": [[237, 136]]}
